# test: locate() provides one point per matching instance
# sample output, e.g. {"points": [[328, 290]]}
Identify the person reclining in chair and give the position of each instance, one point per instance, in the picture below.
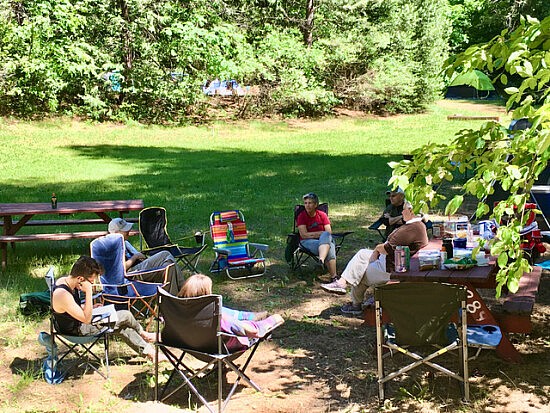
{"points": [[392, 217], [372, 267], [316, 233], [244, 324], [74, 318], [136, 261]]}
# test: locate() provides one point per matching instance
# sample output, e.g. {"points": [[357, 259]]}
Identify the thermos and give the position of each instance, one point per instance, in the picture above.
{"points": [[448, 244]]}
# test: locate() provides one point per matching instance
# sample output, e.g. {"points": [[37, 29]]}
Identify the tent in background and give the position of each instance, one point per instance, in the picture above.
{"points": [[471, 85]]}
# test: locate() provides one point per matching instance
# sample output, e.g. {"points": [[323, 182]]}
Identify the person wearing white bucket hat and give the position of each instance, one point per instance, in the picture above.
{"points": [[136, 261]]}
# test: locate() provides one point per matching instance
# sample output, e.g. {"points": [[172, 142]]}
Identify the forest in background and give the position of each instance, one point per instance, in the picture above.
{"points": [[146, 61]]}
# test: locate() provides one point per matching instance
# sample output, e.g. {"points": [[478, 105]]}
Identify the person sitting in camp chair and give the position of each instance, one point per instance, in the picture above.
{"points": [[391, 217], [74, 318], [244, 324], [393, 213], [136, 261], [316, 233], [372, 267]]}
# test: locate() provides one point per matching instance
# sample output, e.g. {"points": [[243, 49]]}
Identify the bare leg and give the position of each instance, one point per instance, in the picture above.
{"points": [[331, 266], [323, 252]]}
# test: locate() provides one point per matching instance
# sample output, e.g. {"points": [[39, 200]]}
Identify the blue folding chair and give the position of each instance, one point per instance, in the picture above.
{"points": [[121, 288]]}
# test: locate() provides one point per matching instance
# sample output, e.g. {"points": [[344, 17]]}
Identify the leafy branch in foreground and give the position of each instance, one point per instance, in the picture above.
{"points": [[520, 62]]}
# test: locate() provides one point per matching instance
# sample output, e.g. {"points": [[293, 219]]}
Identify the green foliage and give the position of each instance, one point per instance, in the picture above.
{"points": [[478, 21], [491, 154], [57, 56]]}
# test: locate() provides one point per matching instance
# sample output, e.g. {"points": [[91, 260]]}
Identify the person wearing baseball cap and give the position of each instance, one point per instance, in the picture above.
{"points": [[392, 217], [137, 261]]}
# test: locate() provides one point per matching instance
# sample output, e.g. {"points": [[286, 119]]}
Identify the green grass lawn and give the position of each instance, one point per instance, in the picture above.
{"points": [[261, 167]]}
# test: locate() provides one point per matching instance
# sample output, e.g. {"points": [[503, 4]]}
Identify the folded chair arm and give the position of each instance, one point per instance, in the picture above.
{"points": [[261, 247], [221, 251], [341, 234], [96, 318], [132, 274], [148, 251], [199, 234], [377, 224]]}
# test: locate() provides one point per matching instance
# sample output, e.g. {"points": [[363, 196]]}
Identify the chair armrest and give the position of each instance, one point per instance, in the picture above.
{"points": [[342, 234], [221, 251], [377, 224], [261, 247], [132, 274], [98, 317], [146, 251]]}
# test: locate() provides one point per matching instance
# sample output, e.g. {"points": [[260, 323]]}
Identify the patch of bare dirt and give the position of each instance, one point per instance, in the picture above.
{"points": [[318, 361]]}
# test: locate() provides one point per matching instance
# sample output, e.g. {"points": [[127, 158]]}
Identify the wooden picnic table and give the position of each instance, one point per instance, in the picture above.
{"points": [[475, 278], [27, 211]]}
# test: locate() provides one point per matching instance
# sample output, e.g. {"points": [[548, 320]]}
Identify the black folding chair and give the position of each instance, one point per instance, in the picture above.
{"points": [[192, 326], [421, 315], [82, 347], [296, 254], [152, 227]]}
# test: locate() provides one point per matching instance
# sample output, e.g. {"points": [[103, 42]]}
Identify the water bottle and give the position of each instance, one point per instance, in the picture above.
{"points": [[54, 201], [442, 257], [230, 236], [400, 259]]}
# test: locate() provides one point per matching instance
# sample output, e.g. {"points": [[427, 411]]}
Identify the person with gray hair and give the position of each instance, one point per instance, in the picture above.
{"points": [[372, 267], [316, 233]]}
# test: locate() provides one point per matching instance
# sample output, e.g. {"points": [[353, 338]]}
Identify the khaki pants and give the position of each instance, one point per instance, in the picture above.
{"points": [[361, 274]]}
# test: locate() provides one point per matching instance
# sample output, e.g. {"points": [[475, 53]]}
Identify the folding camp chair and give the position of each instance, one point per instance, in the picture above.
{"points": [[296, 254], [192, 326], [234, 254], [152, 228], [380, 226], [82, 347], [541, 197], [123, 289], [420, 315], [531, 235]]}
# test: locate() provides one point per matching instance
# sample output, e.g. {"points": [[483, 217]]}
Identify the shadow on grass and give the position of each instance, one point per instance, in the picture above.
{"points": [[191, 184]]}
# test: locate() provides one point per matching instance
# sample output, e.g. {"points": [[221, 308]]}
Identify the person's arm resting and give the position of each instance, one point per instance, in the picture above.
{"points": [[64, 302], [379, 249], [304, 234]]}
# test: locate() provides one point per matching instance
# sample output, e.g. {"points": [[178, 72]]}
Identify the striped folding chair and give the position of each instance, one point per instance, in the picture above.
{"points": [[234, 254]]}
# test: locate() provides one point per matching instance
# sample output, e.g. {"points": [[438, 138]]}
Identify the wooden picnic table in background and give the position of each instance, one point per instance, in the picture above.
{"points": [[27, 211]]}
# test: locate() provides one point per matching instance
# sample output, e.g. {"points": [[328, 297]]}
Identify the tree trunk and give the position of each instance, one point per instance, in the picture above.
{"points": [[308, 23], [127, 52]]}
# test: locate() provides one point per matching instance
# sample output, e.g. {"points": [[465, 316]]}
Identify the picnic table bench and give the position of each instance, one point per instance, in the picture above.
{"points": [[517, 308], [26, 211]]}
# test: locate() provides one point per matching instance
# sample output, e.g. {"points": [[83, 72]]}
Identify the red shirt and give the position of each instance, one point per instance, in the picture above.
{"points": [[313, 224]]}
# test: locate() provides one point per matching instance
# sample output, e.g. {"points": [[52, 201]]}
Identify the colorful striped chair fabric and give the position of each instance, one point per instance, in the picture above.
{"points": [[234, 253]]}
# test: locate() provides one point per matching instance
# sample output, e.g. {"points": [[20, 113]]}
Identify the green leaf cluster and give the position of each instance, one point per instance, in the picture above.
{"points": [[492, 154]]}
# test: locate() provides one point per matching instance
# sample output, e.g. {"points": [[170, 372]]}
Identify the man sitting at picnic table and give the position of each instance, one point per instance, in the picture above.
{"points": [[372, 267], [136, 261], [392, 217]]}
